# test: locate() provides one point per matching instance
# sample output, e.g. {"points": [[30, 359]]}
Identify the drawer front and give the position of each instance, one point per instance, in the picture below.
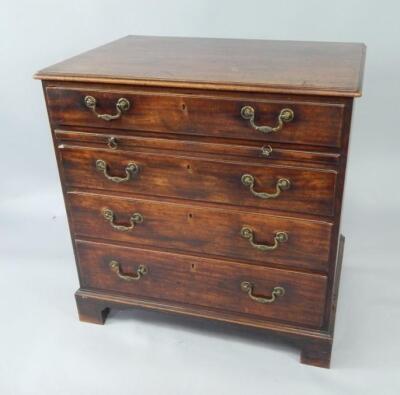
{"points": [[252, 237], [256, 151], [313, 123], [269, 293], [264, 186]]}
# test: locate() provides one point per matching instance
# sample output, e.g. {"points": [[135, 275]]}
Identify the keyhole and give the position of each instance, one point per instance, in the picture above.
{"points": [[190, 215], [183, 106]]}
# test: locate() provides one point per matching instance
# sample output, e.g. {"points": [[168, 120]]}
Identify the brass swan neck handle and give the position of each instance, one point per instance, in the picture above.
{"points": [[248, 287], [131, 170], [116, 268], [286, 115], [136, 218], [122, 105], [279, 238], [282, 184]]}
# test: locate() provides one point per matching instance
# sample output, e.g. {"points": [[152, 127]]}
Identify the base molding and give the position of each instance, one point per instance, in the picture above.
{"points": [[315, 345], [91, 309]]}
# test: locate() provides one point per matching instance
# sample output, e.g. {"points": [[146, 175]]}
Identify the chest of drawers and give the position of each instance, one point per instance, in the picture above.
{"points": [[205, 177]]}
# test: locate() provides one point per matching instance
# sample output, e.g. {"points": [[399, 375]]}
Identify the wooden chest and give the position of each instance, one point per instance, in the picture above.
{"points": [[205, 177]]}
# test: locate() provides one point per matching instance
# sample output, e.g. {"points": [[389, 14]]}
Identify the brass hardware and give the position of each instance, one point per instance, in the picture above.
{"points": [[286, 115], [136, 218], [122, 105], [266, 150], [283, 184], [131, 170], [116, 267], [248, 287], [248, 233], [112, 142]]}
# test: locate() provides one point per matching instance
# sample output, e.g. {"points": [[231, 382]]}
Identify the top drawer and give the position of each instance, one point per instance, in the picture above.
{"points": [[288, 121]]}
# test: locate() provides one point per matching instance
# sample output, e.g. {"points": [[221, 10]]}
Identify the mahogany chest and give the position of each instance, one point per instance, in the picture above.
{"points": [[205, 177]]}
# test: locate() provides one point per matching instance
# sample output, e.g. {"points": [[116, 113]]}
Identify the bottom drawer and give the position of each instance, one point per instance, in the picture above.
{"points": [[276, 294]]}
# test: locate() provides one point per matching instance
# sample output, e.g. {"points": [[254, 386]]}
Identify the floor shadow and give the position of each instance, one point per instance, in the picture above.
{"points": [[206, 327]]}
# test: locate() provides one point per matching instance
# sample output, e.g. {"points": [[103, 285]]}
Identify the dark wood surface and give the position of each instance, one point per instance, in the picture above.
{"points": [[204, 282], [182, 176], [203, 230], [191, 143], [249, 65], [216, 149], [314, 123], [315, 345]]}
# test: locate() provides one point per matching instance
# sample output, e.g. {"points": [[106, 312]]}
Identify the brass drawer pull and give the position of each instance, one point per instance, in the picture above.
{"points": [[248, 287], [248, 233], [266, 150], [136, 218], [116, 268], [131, 170], [112, 142], [286, 115], [283, 184], [122, 105]]}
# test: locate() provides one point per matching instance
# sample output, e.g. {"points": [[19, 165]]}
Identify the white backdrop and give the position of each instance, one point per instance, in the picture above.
{"points": [[43, 347]]}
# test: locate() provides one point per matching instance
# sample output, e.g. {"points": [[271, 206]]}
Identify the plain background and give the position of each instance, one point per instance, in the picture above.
{"points": [[43, 347]]}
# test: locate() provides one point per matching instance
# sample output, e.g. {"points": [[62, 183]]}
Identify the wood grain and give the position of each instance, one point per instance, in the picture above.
{"points": [[315, 345], [195, 178], [216, 148], [229, 64], [203, 230], [315, 123], [185, 131], [204, 282]]}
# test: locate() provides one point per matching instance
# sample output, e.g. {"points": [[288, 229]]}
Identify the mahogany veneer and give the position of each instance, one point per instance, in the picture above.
{"points": [[205, 177]]}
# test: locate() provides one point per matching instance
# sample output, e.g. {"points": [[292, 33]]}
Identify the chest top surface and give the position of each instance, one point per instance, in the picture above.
{"points": [[297, 67]]}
